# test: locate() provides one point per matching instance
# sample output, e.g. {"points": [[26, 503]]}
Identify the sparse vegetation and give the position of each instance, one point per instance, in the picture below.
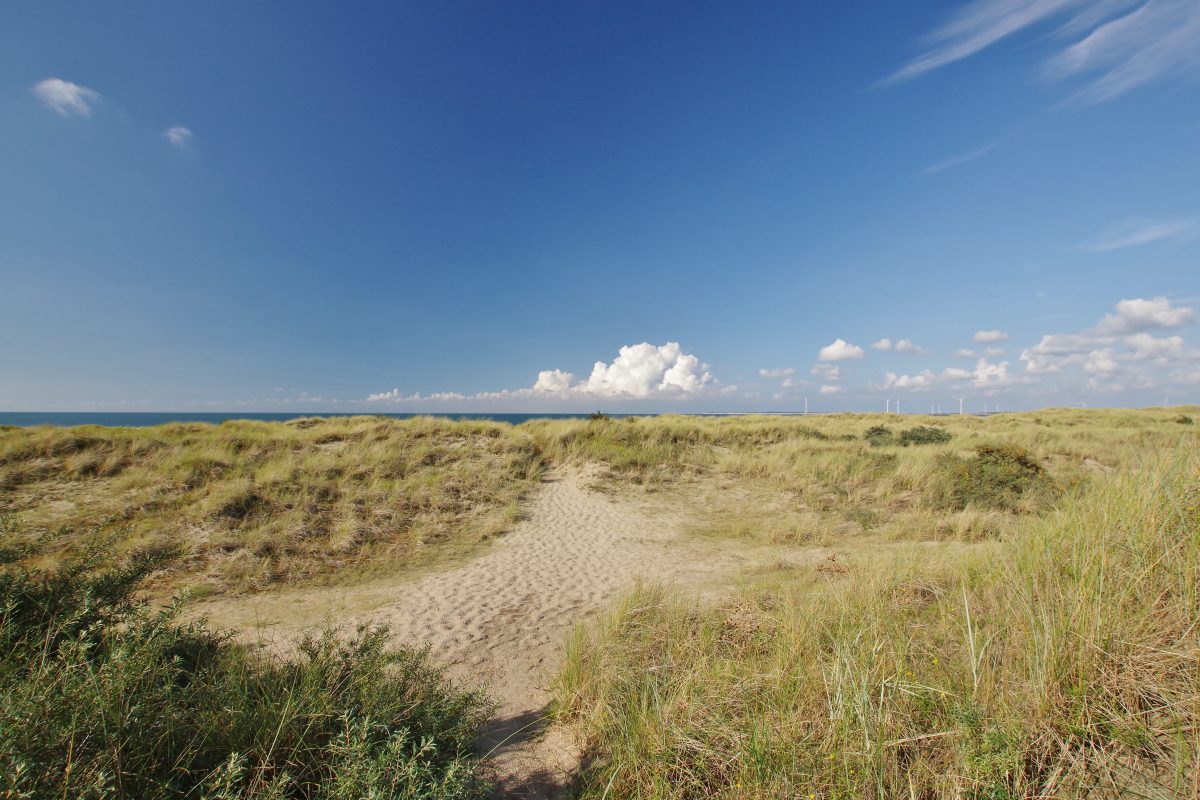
{"points": [[102, 698], [1006, 611], [1063, 663], [252, 504]]}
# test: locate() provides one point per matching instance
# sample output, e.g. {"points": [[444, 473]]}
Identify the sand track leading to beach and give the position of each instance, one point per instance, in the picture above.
{"points": [[502, 619]]}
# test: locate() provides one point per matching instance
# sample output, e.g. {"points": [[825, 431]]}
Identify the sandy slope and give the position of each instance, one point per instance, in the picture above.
{"points": [[501, 620]]}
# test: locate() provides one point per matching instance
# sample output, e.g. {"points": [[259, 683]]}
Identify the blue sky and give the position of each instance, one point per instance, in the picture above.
{"points": [[631, 206]]}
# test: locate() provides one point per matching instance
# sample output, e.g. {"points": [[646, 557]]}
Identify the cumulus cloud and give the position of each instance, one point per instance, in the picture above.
{"points": [[984, 337], [68, 99], [1111, 47], [900, 346], [965, 353], [828, 389], [827, 372], [640, 371], [785, 372], [906, 346], [840, 350], [1141, 315], [989, 375], [923, 380], [179, 136], [1118, 352]]}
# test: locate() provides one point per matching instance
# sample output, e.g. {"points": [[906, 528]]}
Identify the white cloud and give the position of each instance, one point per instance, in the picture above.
{"points": [[639, 371], [987, 374], [960, 159], [993, 352], [1141, 315], [906, 346], [68, 99], [827, 389], [553, 381], [1117, 45], [1119, 352], [179, 136], [1135, 231], [965, 353], [785, 372], [882, 344], [827, 372], [989, 336], [642, 370], [840, 350], [923, 380]]}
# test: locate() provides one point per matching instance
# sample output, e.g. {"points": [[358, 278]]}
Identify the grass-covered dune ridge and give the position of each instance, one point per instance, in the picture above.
{"points": [[820, 479], [251, 504], [102, 698], [1066, 663]]}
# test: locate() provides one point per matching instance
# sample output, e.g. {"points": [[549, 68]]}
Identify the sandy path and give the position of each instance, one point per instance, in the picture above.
{"points": [[501, 620]]}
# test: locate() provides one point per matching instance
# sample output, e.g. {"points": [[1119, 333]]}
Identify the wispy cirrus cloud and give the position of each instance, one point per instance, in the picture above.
{"points": [[1114, 46], [961, 159], [1136, 231], [66, 98]]}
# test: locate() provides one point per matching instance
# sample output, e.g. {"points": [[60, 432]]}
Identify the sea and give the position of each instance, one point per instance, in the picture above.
{"points": [[141, 419]]}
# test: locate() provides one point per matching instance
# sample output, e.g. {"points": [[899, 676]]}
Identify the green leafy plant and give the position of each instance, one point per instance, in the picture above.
{"points": [[101, 697]]}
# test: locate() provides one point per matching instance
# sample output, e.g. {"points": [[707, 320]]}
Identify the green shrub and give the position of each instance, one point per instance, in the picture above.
{"points": [[924, 434], [999, 476], [1184, 419], [101, 697], [879, 436]]}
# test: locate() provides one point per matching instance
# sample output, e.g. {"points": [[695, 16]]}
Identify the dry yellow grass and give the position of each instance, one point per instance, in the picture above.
{"points": [[1060, 660], [253, 504]]}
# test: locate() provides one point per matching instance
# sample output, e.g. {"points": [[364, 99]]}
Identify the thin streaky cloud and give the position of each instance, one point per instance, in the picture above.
{"points": [[961, 159], [1135, 232], [974, 27], [1118, 45]]}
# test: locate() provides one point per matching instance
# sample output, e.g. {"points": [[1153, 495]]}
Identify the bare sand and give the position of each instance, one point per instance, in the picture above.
{"points": [[501, 620]]}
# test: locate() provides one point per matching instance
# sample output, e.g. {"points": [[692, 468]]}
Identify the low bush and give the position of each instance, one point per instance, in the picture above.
{"points": [[101, 697], [924, 434], [882, 435], [879, 436], [1000, 476]]}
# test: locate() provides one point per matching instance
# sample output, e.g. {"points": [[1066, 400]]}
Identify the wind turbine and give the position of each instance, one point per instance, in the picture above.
{"points": [[960, 402]]}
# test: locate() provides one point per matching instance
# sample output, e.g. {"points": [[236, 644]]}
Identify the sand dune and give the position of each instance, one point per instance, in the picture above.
{"points": [[501, 620]]}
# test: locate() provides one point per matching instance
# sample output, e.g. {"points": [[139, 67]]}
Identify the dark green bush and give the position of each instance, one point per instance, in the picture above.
{"points": [[879, 436], [924, 434], [100, 697], [1184, 419], [998, 476]]}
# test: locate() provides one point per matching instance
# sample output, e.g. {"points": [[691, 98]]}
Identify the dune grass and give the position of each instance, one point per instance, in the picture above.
{"points": [[255, 504], [102, 698], [1063, 661]]}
